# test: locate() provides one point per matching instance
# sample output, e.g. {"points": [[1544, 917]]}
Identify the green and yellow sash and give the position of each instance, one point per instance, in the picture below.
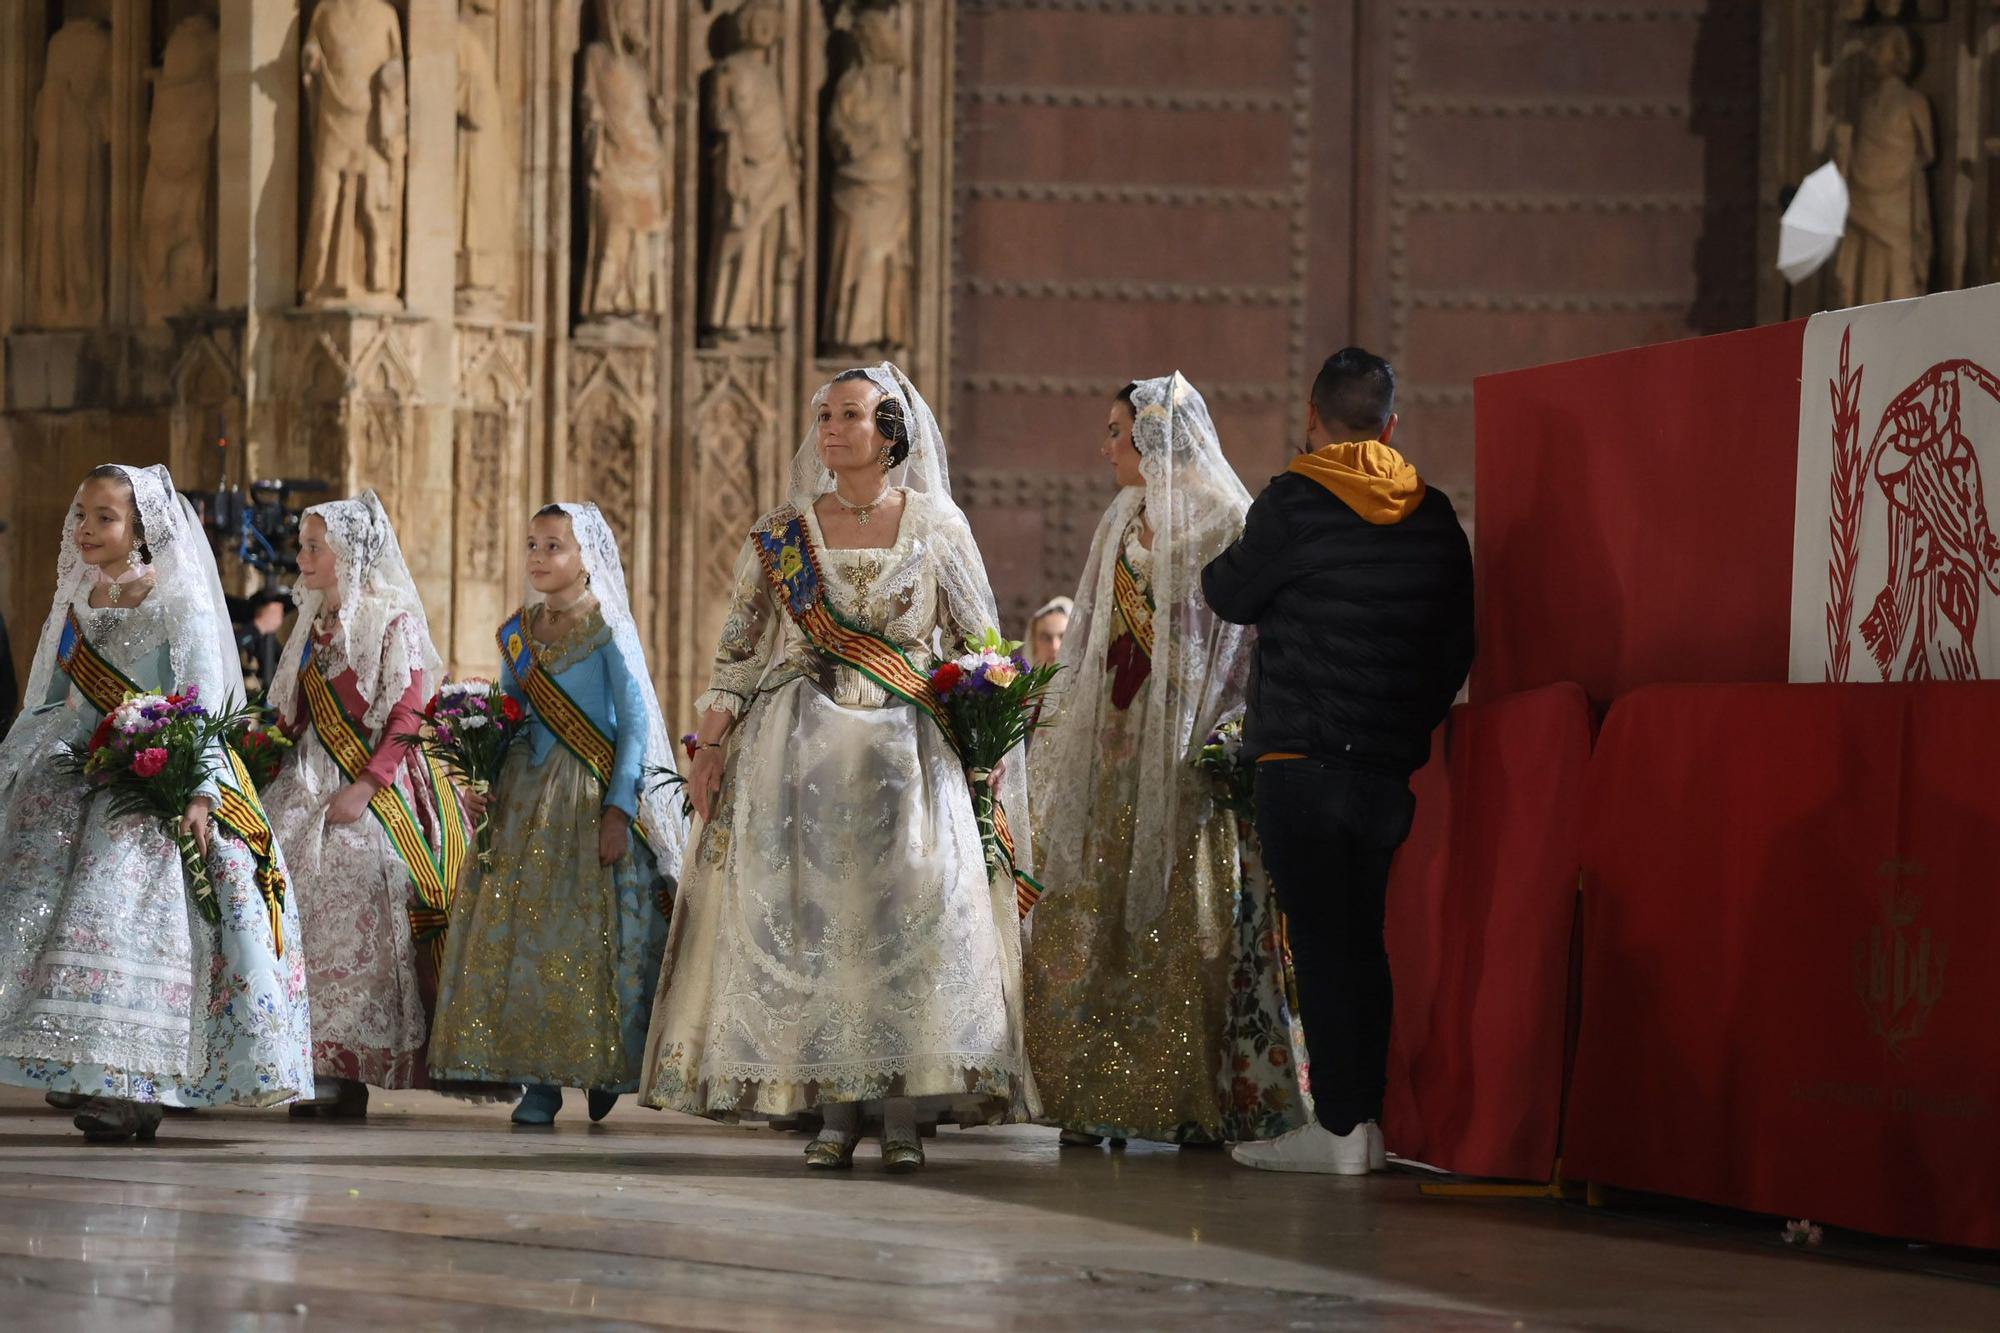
{"points": [[561, 714], [1135, 604], [239, 810], [791, 567], [434, 871]]}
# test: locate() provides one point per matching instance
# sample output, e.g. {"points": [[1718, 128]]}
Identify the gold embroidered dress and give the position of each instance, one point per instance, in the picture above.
{"points": [[1155, 1002]]}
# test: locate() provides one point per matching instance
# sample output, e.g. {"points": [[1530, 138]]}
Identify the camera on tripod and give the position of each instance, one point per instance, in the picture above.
{"points": [[259, 522]]}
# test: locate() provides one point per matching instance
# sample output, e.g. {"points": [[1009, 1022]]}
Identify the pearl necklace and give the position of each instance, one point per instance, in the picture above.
{"points": [[861, 512]]}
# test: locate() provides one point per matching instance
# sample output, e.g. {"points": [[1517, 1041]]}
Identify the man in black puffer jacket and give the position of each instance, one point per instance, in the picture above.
{"points": [[1358, 578]]}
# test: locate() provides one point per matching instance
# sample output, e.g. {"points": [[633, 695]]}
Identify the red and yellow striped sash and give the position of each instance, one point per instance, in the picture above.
{"points": [[1135, 605], [434, 871], [562, 715]]}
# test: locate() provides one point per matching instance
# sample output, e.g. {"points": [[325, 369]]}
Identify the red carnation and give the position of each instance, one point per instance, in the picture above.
{"points": [[148, 763], [945, 679], [510, 708]]}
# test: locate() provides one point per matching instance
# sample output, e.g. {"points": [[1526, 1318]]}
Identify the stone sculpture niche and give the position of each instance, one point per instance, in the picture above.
{"points": [[624, 158], [485, 203], [67, 240], [867, 297], [754, 181], [357, 104], [1885, 152], [177, 202]]}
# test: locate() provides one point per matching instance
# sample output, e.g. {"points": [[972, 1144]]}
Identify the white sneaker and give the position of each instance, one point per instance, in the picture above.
{"points": [[1310, 1148], [1378, 1149]]}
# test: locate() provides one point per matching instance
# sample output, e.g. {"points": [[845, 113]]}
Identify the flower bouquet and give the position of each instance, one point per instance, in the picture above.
{"points": [[1221, 761], [262, 745], [993, 699], [468, 726], [150, 755], [663, 776]]}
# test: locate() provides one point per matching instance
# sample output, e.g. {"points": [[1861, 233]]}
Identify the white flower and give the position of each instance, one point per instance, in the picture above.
{"points": [[474, 721], [472, 686]]}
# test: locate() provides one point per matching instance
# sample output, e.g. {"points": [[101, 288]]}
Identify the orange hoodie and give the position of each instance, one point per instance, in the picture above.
{"points": [[1368, 476]]}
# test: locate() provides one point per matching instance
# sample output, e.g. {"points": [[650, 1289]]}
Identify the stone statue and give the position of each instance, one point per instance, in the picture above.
{"points": [[625, 156], [1884, 156], [358, 105], [755, 252], [67, 242], [868, 249], [177, 203], [485, 204]]}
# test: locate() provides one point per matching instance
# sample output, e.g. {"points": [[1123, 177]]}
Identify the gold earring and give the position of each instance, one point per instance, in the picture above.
{"points": [[886, 457]]}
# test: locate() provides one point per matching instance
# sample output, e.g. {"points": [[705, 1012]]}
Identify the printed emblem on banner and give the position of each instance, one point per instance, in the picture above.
{"points": [[1898, 967], [1911, 539]]}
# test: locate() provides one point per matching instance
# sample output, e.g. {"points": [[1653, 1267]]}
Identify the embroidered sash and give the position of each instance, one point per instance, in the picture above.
{"points": [[239, 809], [1134, 604], [791, 567], [561, 714], [434, 872]]}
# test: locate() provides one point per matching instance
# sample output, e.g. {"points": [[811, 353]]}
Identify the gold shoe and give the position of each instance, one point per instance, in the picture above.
{"points": [[831, 1154], [901, 1156]]}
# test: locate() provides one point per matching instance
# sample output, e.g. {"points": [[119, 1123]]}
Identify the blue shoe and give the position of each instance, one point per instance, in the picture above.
{"points": [[538, 1105], [601, 1103]]}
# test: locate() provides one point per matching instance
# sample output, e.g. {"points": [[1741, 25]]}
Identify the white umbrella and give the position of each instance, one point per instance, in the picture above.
{"points": [[1811, 229]]}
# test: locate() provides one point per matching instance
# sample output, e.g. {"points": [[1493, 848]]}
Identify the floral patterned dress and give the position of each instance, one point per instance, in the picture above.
{"points": [[111, 982]]}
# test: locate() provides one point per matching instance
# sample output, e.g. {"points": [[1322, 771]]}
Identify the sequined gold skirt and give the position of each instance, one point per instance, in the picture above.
{"points": [[551, 957], [1127, 1031]]}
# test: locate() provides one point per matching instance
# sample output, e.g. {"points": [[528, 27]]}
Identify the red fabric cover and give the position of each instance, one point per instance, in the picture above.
{"points": [[1635, 516], [1742, 848], [1480, 916]]}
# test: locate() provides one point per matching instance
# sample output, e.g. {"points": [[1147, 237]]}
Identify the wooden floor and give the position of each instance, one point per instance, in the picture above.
{"points": [[435, 1216]]}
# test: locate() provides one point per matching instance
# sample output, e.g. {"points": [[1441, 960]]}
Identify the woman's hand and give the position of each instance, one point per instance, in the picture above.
{"points": [[999, 771], [614, 835], [704, 780], [476, 803], [351, 802], [194, 823]]}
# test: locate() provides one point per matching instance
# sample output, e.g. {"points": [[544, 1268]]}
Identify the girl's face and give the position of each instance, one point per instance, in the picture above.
{"points": [[1118, 448], [555, 562], [317, 571], [106, 523], [847, 437]]}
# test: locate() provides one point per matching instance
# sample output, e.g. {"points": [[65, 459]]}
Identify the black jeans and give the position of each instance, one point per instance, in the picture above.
{"points": [[1329, 834]]}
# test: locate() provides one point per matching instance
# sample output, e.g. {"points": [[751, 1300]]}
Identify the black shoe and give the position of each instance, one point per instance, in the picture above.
{"points": [[601, 1103]]}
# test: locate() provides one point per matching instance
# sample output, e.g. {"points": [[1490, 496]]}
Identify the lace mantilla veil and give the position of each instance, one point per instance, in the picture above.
{"points": [[1195, 505], [187, 594], [953, 555], [375, 588], [659, 807]]}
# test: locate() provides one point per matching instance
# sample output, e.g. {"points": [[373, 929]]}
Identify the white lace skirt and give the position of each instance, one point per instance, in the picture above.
{"points": [[837, 937], [353, 890], [111, 983]]}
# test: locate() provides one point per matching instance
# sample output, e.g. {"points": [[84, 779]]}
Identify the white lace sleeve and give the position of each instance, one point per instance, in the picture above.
{"points": [[748, 641]]}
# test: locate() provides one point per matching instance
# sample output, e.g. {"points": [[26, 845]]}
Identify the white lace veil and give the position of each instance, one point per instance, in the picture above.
{"points": [[375, 588], [961, 573], [659, 806], [187, 593], [1195, 505]]}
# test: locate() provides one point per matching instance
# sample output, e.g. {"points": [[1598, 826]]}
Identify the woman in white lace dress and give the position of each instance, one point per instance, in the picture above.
{"points": [[1156, 999], [353, 678], [117, 996], [838, 944]]}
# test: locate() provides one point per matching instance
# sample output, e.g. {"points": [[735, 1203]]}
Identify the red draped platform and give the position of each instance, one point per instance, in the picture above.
{"points": [[1788, 963], [1791, 954], [1635, 516], [1480, 916]]}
